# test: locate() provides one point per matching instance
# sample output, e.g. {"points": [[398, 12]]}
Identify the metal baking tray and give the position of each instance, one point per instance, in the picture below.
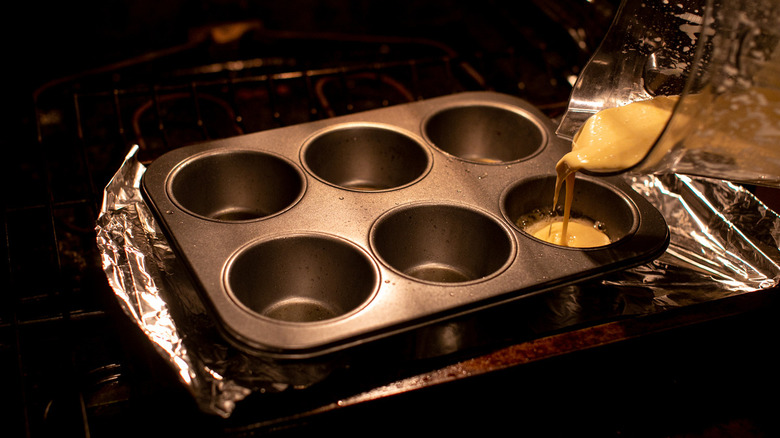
{"points": [[313, 238]]}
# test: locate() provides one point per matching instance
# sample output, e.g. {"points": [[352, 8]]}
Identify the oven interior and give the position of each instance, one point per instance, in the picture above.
{"points": [[89, 81]]}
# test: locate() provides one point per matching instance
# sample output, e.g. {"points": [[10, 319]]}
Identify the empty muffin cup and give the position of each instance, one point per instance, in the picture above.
{"points": [[442, 243], [236, 185], [365, 157], [302, 278], [594, 202], [485, 133]]}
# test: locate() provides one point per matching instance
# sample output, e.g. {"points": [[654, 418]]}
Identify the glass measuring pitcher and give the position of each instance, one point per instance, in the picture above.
{"points": [[721, 57]]}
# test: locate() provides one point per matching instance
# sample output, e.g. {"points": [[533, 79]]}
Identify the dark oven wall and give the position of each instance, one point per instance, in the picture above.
{"points": [[57, 39]]}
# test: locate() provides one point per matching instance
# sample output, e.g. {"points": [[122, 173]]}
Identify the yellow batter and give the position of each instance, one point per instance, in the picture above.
{"points": [[615, 139], [580, 233], [742, 126], [611, 140]]}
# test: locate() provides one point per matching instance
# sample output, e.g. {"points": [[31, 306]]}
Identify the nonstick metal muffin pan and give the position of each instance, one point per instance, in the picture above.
{"points": [[312, 238]]}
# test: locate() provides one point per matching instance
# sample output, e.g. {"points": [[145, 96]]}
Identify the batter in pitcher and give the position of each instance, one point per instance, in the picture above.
{"points": [[609, 141]]}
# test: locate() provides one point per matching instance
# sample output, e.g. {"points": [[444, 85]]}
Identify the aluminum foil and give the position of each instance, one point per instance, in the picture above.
{"points": [[724, 242]]}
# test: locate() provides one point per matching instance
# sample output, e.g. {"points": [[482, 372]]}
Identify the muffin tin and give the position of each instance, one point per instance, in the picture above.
{"points": [[317, 237]]}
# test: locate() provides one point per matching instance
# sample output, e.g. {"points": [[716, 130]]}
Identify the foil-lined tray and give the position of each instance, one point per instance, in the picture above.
{"points": [[723, 242]]}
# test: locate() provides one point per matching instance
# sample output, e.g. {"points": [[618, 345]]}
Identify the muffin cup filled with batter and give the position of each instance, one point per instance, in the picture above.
{"points": [[600, 215]]}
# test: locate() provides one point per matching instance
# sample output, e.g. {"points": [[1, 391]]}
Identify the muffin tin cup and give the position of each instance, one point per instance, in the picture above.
{"points": [[315, 238], [485, 133], [301, 278], [594, 200], [238, 185], [442, 244], [365, 157]]}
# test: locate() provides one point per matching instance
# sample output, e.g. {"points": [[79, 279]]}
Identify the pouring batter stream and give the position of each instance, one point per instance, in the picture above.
{"points": [[612, 140]]}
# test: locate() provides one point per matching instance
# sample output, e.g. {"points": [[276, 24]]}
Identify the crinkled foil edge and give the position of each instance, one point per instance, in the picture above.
{"points": [[136, 259]]}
